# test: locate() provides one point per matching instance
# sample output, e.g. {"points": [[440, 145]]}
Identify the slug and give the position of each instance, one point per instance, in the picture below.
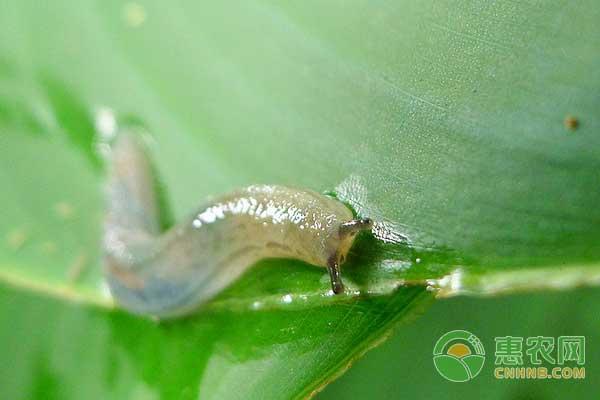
{"points": [[172, 273]]}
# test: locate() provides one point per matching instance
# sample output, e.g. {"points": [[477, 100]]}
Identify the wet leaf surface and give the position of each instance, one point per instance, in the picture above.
{"points": [[444, 122]]}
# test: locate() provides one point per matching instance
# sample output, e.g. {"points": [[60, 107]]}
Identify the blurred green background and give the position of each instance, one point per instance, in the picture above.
{"points": [[403, 368]]}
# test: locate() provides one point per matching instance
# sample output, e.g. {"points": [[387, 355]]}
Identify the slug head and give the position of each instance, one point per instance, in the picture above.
{"points": [[346, 234]]}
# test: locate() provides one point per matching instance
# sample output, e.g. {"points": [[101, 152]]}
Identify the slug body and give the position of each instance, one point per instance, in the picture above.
{"points": [[171, 274]]}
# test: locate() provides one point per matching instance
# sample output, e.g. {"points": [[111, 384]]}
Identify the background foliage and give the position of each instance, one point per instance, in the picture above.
{"points": [[444, 121]]}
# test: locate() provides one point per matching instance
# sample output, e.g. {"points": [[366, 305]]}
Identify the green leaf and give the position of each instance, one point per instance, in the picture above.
{"points": [[77, 352], [443, 121]]}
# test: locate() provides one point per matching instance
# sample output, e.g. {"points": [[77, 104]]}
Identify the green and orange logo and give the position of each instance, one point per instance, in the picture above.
{"points": [[458, 356]]}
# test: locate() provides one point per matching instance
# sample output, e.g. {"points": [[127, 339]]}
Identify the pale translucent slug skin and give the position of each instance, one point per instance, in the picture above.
{"points": [[173, 273]]}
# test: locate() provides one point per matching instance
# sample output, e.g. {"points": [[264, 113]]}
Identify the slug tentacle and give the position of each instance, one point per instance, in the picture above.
{"points": [[172, 273], [355, 226], [333, 266]]}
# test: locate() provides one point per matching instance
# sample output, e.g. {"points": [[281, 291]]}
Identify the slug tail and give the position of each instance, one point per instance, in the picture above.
{"points": [[132, 218]]}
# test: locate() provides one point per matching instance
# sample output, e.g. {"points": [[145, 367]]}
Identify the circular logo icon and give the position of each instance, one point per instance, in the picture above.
{"points": [[458, 356]]}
